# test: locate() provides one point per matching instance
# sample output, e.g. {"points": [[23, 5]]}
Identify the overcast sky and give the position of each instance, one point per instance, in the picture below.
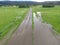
{"points": [[32, 0]]}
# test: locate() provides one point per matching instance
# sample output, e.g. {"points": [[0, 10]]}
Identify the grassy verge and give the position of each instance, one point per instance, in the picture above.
{"points": [[32, 29], [32, 22], [10, 17], [50, 15]]}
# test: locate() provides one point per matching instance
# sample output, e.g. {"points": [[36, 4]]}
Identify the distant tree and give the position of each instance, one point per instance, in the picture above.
{"points": [[0, 5], [24, 5], [49, 4]]}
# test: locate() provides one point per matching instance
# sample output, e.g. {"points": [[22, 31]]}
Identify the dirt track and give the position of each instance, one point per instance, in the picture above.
{"points": [[41, 36]]}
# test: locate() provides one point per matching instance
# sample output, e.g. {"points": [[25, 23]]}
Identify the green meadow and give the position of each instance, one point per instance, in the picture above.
{"points": [[11, 17], [50, 16]]}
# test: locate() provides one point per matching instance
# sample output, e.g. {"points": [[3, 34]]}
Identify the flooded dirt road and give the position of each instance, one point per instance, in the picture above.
{"points": [[42, 33], [23, 35]]}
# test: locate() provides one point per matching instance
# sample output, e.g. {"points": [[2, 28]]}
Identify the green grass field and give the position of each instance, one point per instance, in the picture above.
{"points": [[50, 15], [11, 17]]}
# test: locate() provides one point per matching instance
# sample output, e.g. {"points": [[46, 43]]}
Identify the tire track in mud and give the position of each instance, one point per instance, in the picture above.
{"points": [[42, 33], [23, 35]]}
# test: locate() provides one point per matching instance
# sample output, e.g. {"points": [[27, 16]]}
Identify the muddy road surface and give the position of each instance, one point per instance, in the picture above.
{"points": [[25, 35]]}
